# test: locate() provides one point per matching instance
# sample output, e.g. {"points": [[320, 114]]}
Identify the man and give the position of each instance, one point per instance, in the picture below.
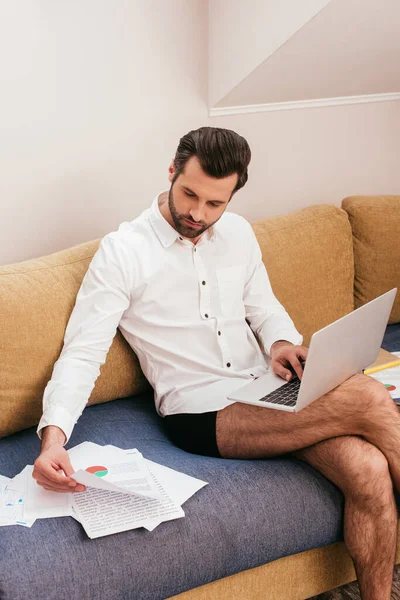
{"points": [[186, 284]]}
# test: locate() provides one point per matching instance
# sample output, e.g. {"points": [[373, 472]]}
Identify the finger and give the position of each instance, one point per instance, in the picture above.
{"points": [[59, 488], [51, 489], [296, 365], [50, 471], [280, 370], [66, 465], [302, 352], [64, 483]]}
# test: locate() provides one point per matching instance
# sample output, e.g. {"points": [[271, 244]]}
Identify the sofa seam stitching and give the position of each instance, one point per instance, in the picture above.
{"points": [[308, 221], [45, 268]]}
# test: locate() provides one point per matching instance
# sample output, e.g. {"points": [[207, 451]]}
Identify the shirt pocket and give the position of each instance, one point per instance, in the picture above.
{"points": [[231, 288]]}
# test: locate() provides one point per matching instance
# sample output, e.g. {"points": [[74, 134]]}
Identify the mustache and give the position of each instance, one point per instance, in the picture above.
{"points": [[190, 221]]}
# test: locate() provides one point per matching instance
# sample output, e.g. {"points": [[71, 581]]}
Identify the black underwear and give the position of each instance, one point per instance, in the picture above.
{"points": [[195, 433]]}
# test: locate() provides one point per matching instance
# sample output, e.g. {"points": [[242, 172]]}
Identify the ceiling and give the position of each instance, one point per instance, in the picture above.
{"points": [[348, 48]]}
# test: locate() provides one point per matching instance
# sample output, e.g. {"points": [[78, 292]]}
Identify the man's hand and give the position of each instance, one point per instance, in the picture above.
{"points": [[52, 462], [284, 354]]}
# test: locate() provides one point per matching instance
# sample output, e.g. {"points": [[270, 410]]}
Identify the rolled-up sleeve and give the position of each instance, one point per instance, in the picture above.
{"points": [[103, 297], [266, 316]]}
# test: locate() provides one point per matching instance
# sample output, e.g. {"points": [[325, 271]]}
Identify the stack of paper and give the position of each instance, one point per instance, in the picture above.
{"points": [[12, 495], [123, 491], [390, 378]]}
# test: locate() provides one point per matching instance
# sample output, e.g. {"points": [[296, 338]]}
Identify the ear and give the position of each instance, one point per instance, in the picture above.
{"points": [[171, 170]]}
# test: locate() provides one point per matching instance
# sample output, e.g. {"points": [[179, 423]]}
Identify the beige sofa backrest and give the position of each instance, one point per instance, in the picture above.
{"points": [[36, 299], [309, 258], [375, 223]]}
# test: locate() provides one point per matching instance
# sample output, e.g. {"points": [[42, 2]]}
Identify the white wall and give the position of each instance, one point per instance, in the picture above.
{"points": [[242, 35], [316, 155], [94, 96]]}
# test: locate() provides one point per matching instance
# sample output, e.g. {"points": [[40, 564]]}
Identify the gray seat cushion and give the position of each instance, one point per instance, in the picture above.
{"points": [[253, 512]]}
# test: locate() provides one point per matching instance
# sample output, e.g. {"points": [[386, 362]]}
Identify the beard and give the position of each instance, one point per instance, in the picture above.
{"points": [[181, 227]]}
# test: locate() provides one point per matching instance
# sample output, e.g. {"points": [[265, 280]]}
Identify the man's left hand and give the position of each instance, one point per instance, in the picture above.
{"points": [[284, 354]]}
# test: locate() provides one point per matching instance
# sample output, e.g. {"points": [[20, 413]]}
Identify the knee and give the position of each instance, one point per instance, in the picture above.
{"points": [[373, 392], [369, 482]]}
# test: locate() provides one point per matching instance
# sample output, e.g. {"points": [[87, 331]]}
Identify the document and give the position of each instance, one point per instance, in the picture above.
{"points": [[104, 512], [12, 498], [124, 491], [179, 486], [121, 491], [109, 468], [131, 476], [390, 379], [41, 503]]}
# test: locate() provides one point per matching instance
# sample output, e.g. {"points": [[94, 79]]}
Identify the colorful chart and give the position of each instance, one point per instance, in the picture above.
{"points": [[390, 387], [99, 471]]}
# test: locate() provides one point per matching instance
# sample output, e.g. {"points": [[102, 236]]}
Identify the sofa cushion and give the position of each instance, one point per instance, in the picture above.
{"points": [[36, 299], [375, 221], [309, 259], [252, 512]]}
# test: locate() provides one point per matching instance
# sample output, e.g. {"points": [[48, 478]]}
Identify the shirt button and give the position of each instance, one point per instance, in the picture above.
{"points": [[219, 333], [180, 238], [195, 249], [228, 364], [251, 374], [203, 282], [206, 316]]}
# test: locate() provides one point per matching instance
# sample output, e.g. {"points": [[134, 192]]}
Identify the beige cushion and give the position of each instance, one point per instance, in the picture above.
{"points": [[289, 578], [375, 221], [309, 258], [36, 299]]}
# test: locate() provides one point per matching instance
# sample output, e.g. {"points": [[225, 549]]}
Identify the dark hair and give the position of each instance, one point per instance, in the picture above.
{"points": [[221, 152]]}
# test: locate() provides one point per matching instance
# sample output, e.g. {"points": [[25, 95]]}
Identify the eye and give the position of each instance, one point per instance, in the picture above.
{"points": [[194, 196]]}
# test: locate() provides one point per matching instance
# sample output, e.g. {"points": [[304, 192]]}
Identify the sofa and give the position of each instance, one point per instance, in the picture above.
{"points": [[262, 529]]}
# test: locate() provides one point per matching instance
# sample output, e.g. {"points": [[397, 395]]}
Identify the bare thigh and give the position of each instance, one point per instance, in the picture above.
{"points": [[248, 431]]}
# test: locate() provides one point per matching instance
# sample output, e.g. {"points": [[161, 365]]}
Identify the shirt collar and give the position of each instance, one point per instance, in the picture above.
{"points": [[165, 232]]}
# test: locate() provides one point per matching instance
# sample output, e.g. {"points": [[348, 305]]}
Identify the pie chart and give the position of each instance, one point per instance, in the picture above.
{"points": [[98, 470], [390, 387]]}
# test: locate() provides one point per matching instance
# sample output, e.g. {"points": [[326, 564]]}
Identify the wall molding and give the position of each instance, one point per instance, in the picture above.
{"points": [[300, 104]]}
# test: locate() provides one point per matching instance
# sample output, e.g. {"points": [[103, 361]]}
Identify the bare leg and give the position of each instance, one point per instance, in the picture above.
{"points": [[370, 516], [360, 406]]}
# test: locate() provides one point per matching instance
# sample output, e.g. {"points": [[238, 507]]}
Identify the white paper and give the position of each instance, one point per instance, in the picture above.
{"points": [[179, 486], [102, 512], [117, 471], [73, 514], [43, 504], [13, 494], [390, 379]]}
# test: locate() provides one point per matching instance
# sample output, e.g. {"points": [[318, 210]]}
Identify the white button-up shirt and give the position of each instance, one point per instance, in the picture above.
{"points": [[189, 311]]}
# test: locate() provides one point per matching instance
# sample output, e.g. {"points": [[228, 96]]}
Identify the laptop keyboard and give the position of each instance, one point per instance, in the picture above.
{"points": [[286, 394]]}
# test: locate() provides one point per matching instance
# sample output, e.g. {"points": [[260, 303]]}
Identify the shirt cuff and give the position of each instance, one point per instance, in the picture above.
{"points": [[57, 416], [270, 337]]}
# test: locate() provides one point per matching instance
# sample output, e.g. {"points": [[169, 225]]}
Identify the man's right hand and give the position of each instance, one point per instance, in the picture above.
{"points": [[52, 468]]}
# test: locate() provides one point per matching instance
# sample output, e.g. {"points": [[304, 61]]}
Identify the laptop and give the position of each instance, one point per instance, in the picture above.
{"points": [[336, 352]]}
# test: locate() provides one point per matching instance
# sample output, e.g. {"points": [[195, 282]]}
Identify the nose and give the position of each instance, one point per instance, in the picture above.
{"points": [[197, 215]]}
